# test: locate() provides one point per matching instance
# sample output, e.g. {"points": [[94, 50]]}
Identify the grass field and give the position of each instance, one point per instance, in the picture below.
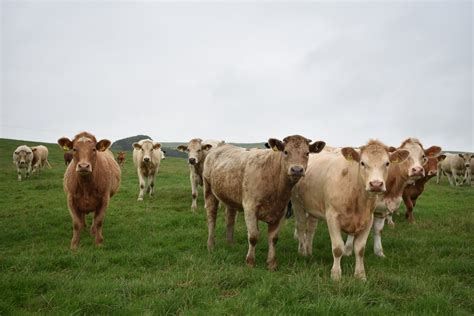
{"points": [[155, 260]]}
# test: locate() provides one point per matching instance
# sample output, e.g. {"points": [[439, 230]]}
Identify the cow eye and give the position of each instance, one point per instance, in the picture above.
{"points": [[307, 154], [199, 150], [16, 153], [387, 163], [94, 150], [362, 164], [286, 153], [74, 149]]}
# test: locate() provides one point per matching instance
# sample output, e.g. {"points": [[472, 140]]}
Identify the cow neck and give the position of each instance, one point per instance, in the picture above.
{"points": [[199, 167], [285, 184], [396, 180], [359, 191]]}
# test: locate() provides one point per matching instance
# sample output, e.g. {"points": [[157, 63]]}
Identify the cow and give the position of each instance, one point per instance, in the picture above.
{"points": [[259, 182], [40, 158], [68, 157], [121, 158], [412, 192], [147, 159], [23, 158], [163, 152], [197, 150], [455, 166], [399, 176], [342, 188], [90, 180], [471, 171]]}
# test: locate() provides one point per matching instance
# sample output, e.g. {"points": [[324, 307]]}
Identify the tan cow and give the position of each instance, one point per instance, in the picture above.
{"points": [[40, 158], [471, 171], [197, 151], [342, 188], [90, 180], [23, 158], [257, 181], [121, 158], [147, 159], [455, 166]]}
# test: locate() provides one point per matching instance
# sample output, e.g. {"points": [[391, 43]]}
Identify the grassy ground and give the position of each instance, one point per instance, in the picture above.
{"points": [[155, 260]]}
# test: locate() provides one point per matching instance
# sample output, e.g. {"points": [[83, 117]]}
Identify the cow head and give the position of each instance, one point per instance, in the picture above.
{"points": [[374, 159], [418, 157], [84, 150], [23, 155], [467, 159], [295, 152], [431, 166], [196, 150], [146, 148]]}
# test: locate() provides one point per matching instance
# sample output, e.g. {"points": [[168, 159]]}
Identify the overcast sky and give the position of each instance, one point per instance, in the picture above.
{"points": [[340, 72]]}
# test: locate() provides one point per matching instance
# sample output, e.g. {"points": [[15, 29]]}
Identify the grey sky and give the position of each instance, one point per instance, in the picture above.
{"points": [[340, 72]]}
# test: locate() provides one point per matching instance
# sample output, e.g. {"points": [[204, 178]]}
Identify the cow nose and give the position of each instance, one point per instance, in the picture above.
{"points": [[376, 185], [146, 159], [432, 172], [297, 170], [192, 161], [417, 171], [84, 166]]}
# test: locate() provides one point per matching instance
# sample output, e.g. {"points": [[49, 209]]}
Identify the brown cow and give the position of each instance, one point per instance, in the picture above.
{"points": [[412, 192], [121, 158], [67, 157], [257, 181], [90, 181]]}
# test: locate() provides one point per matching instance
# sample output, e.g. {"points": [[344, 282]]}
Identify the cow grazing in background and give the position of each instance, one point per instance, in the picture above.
{"points": [[121, 158], [68, 157], [147, 159], [197, 151], [399, 176], [257, 181], [90, 181], [455, 166], [40, 158], [23, 158], [343, 188], [163, 152], [412, 192]]}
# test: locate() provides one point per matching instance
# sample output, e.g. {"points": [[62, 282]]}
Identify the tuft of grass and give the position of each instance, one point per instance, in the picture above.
{"points": [[155, 261]]}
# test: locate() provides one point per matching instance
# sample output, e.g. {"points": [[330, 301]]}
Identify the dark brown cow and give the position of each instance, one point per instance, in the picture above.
{"points": [[67, 157], [412, 192], [90, 181], [121, 158]]}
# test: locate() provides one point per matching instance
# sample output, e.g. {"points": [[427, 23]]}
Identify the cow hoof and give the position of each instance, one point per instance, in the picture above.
{"points": [[336, 275], [380, 254], [272, 265], [250, 261], [210, 246], [74, 247], [140, 199], [361, 276]]}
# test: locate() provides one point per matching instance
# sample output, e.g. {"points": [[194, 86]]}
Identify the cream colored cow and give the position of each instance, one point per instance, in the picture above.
{"points": [[455, 166], [147, 159]]}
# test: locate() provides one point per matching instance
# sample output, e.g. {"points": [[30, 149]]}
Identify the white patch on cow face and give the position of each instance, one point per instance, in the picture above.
{"points": [[417, 159], [373, 169], [84, 139]]}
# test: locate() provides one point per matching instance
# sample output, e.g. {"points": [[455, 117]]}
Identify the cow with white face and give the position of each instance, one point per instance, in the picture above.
{"points": [[197, 151], [147, 159], [23, 158], [457, 167]]}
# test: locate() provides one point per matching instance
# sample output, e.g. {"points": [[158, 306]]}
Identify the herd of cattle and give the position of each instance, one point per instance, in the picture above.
{"points": [[353, 188]]}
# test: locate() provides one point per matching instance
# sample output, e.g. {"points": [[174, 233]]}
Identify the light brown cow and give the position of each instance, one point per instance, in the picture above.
{"points": [[257, 181], [68, 157], [147, 160], [342, 187], [455, 166], [22, 158], [399, 176], [40, 158], [197, 151], [121, 158], [90, 181]]}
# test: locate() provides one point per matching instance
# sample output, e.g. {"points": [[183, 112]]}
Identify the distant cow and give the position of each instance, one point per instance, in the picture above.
{"points": [[163, 152], [412, 192], [68, 157], [90, 181], [257, 181], [471, 171], [121, 158], [197, 151], [147, 159], [23, 158], [342, 187], [40, 158], [455, 166]]}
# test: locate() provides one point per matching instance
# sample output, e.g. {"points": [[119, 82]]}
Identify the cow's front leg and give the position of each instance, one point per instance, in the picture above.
{"points": [[300, 227], [337, 244], [151, 185], [251, 222], [378, 227], [273, 230], [78, 223], [212, 204], [359, 249], [28, 171], [19, 172], [349, 246], [141, 180], [98, 222], [194, 190]]}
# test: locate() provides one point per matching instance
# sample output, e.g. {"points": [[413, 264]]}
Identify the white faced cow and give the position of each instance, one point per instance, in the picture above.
{"points": [[23, 158], [147, 159], [456, 167]]}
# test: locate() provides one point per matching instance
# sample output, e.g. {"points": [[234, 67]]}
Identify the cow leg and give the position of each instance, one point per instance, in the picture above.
{"points": [[28, 171], [349, 246], [450, 178], [300, 227], [78, 223], [212, 204], [390, 220], [141, 180], [98, 222], [230, 219], [337, 244], [251, 222], [194, 190], [273, 230], [438, 174], [151, 185], [19, 172], [378, 227], [359, 249], [409, 203], [456, 178], [310, 230]]}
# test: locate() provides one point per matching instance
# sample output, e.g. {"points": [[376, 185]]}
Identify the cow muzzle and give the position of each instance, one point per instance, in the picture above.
{"points": [[416, 172], [432, 172], [192, 161], [376, 186], [296, 171], [146, 159], [84, 168]]}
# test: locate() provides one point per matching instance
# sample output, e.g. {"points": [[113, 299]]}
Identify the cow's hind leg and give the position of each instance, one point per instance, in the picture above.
{"points": [[194, 190], [349, 246], [212, 204], [98, 222], [230, 221], [300, 227], [378, 227], [310, 230], [273, 230], [151, 185]]}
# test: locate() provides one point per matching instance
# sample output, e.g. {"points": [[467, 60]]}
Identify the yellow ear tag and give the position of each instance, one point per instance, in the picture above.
{"points": [[395, 161], [275, 148], [349, 157], [65, 148]]}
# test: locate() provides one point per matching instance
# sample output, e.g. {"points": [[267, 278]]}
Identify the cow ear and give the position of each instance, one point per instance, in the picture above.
{"points": [[350, 154], [65, 143], [156, 146], [276, 144], [433, 151], [472, 156], [267, 146], [103, 145], [137, 146], [460, 155], [391, 149], [34, 149], [182, 148], [399, 155], [316, 147], [441, 157], [207, 147]]}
